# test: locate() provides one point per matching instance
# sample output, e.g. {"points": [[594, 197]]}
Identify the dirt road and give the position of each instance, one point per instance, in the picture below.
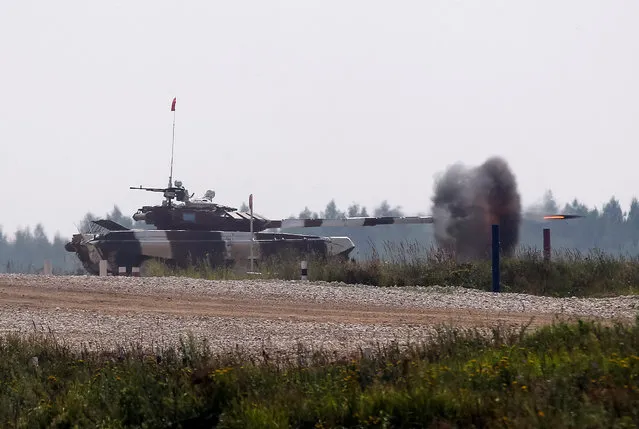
{"points": [[265, 314]]}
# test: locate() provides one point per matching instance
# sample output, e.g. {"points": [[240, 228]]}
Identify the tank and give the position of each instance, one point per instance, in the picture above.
{"points": [[189, 231]]}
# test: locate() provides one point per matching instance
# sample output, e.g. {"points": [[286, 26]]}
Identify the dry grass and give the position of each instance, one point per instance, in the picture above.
{"points": [[570, 273]]}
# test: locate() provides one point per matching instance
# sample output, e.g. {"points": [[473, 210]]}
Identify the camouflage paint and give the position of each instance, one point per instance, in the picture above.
{"points": [[131, 248]]}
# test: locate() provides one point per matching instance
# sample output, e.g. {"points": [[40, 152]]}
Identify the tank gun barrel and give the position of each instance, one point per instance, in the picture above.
{"points": [[349, 222]]}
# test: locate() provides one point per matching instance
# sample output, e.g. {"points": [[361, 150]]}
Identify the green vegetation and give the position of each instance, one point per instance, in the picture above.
{"points": [[568, 375], [568, 274]]}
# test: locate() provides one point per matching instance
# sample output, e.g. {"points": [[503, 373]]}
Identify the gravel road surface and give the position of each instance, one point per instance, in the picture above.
{"points": [[98, 312]]}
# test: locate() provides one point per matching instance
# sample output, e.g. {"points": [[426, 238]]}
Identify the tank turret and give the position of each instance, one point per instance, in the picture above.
{"points": [[199, 214]]}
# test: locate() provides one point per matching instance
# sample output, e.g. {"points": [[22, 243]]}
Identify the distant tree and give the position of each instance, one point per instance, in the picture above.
{"points": [[307, 214], [385, 210], [575, 207], [633, 213], [117, 216], [592, 227], [4, 249], [39, 239], [331, 211], [632, 222], [548, 203], [85, 224], [355, 211], [611, 228], [22, 257], [244, 207], [612, 212]]}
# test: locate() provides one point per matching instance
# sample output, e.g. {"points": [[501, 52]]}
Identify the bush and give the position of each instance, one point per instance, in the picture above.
{"points": [[565, 375]]}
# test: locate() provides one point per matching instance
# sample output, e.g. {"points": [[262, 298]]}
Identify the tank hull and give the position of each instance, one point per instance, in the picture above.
{"points": [[181, 248]]}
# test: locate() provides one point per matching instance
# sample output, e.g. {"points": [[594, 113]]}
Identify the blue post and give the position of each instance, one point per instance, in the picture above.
{"points": [[495, 258]]}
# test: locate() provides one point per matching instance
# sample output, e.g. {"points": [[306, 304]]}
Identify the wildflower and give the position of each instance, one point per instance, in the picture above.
{"points": [[222, 371], [540, 413]]}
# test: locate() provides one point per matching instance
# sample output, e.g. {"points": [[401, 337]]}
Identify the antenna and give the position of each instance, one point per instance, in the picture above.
{"points": [[252, 234], [172, 142]]}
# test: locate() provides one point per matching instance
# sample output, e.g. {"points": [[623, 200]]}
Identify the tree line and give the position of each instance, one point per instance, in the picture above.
{"points": [[354, 210], [610, 229], [29, 249]]}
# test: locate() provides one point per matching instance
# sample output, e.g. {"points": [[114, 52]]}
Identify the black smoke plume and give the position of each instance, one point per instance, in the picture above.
{"points": [[468, 200]]}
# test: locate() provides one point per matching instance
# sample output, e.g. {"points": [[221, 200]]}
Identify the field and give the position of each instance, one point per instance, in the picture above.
{"points": [[569, 375], [201, 347]]}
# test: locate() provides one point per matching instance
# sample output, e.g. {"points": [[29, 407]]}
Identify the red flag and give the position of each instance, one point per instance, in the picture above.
{"points": [[173, 105], [251, 202]]}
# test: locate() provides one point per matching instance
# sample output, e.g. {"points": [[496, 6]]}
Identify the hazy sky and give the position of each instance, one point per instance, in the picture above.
{"points": [[299, 102]]}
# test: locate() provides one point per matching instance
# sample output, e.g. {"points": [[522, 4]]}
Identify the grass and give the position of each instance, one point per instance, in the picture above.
{"points": [[582, 375], [570, 273]]}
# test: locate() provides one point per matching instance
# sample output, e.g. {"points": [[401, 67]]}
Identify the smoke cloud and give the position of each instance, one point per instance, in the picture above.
{"points": [[468, 200]]}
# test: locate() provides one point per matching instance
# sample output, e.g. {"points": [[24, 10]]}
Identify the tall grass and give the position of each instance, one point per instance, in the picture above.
{"points": [[565, 375], [569, 273]]}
